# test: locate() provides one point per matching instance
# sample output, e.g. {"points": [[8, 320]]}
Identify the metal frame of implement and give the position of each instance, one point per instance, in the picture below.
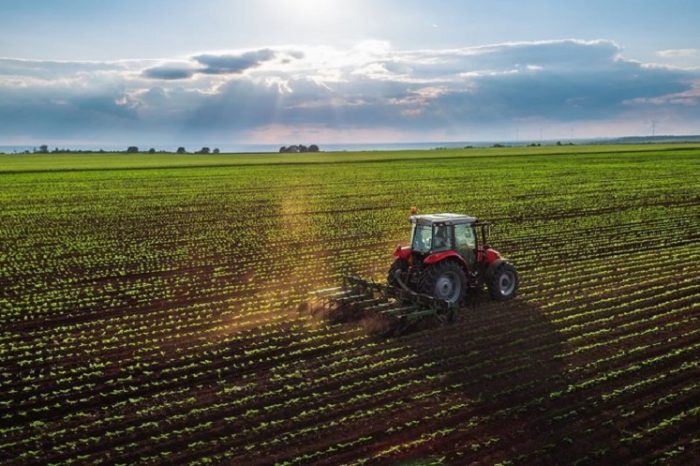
{"points": [[358, 297]]}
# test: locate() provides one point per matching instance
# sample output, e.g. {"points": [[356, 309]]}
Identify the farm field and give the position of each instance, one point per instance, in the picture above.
{"points": [[152, 311]]}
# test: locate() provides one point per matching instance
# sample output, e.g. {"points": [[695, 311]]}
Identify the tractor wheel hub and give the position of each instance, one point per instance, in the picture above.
{"points": [[506, 283], [447, 287]]}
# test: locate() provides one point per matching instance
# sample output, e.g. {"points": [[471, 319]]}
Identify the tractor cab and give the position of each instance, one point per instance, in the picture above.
{"points": [[437, 233]]}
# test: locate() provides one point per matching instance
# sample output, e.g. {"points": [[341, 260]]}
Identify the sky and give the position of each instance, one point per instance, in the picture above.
{"points": [[156, 72]]}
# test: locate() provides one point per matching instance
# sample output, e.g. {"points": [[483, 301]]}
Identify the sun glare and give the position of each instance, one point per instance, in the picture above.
{"points": [[308, 7], [311, 10]]}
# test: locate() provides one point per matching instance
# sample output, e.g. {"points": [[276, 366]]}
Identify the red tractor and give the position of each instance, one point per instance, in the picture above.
{"points": [[449, 255]]}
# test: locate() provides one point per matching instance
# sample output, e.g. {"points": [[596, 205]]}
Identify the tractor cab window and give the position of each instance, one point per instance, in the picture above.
{"points": [[465, 242], [422, 238], [442, 238]]}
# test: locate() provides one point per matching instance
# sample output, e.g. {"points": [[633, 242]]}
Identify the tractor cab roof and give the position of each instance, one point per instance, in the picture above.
{"points": [[446, 219]]}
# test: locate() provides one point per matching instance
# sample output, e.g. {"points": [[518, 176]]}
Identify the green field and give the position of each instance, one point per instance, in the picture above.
{"points": [[150, 309], [117, 161]]}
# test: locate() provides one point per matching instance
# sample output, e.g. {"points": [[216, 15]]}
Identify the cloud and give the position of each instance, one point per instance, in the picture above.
{"points": [[689, 98], [55, 69], [371, 88], [219, 63], [55, 113], [233, 63], [676, 53], [170, 71]]}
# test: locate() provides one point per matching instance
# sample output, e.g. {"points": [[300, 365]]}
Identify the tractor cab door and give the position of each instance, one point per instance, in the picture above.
{"points": [[465, 244]]}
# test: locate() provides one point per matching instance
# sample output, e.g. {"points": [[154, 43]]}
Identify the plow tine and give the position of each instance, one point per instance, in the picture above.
{"points": [[368, 302], [329, 290], [349, 298], [336, 294], [381, 306], [398, 311]]}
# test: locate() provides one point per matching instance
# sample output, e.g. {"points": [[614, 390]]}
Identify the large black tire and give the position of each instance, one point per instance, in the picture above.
{"points": [[400, 265], [502, 281], [444, 280]]}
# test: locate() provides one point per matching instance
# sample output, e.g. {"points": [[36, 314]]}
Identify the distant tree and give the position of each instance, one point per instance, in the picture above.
{"points": [[216, 150], [132, 149], [203, 150], [299, 148], [181, 150], [498, 145], [151, 151], [558, 143], [43, 149]]}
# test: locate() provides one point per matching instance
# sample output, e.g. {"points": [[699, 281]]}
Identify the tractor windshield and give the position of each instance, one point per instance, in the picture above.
{"points": [[422, 238]]}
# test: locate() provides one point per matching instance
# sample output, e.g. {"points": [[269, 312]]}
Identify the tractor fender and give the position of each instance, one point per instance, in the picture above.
{"points": [[493, 266], [402, 252], [441, 256], [492, 256]]}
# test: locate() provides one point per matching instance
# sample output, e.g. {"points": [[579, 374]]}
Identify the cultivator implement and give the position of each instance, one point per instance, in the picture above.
{"points": [[388, 309]]}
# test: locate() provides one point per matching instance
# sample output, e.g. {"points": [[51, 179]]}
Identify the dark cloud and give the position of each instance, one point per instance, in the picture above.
{"points": [[169, 72], [559, 54], [215, 64], [296, 54], [558, 94], [62, 113], [233, 63]]}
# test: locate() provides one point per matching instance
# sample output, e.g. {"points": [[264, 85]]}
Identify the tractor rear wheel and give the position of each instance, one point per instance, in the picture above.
{"points": [[444, 280], [502, 280]]}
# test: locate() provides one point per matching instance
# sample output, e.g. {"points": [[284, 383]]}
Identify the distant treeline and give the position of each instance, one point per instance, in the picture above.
{"points": [[44, 149], [295, 149]]}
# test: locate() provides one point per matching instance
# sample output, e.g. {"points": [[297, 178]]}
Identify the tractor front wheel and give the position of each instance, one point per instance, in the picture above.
{"points": [[444, 280], [502, 280]]}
